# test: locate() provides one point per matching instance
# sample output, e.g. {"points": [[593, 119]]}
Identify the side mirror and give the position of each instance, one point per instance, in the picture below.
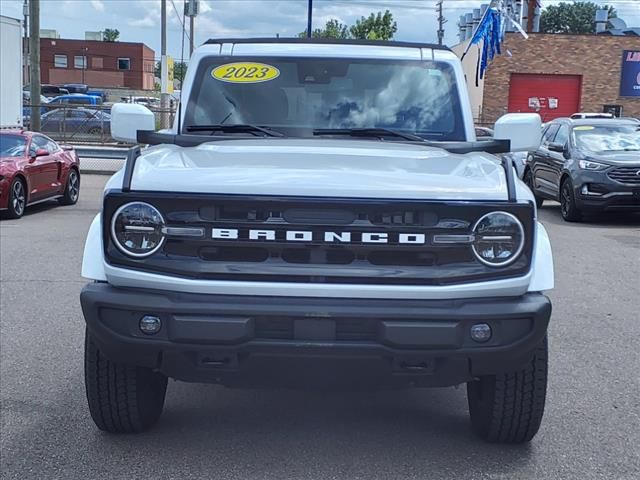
{"points": [[128, 118], [523, 130], [556, 147]]}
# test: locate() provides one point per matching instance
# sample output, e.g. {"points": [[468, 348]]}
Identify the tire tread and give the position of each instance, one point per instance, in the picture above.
{"points": [[513, 402], [113, 393]]}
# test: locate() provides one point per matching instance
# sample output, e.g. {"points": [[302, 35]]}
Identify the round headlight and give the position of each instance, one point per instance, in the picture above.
{"points": [[136, 229], [499, 239]]}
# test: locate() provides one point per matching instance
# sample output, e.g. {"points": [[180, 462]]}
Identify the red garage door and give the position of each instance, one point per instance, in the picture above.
{"points": [[552, 96]]}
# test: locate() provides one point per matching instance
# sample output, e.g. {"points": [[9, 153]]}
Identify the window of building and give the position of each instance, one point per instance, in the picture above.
{"points": [[97, 63], [124, 64], [80, 61], [60, 61]]}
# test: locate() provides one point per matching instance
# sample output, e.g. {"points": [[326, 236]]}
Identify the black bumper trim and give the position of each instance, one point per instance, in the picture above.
{"points": [[218, 338]]}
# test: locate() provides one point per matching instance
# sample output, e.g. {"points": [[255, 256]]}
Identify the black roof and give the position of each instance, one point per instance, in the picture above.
{"points": [[325, 41]]}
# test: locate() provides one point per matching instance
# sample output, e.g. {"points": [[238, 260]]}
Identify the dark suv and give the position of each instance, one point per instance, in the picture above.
{"points": [[587, 165]]}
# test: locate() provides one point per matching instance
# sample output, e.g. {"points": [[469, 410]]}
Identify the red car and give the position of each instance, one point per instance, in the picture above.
{"points": [[34, 168]]}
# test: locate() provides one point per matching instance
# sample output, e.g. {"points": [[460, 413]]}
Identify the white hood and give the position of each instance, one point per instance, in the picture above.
{"points": [[320, 167]]}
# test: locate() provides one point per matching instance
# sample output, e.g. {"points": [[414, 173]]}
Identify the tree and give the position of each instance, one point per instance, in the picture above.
{"points": [[577, 17], [332, 29], [111, 34], [179, 70], [380, 26]]}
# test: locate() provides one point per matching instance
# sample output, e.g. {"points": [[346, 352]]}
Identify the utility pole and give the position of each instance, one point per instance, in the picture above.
{"points": [[309, 18], [441, 22], [191, 8], [84, 62], [164, 97], [34, 60], [192, 20], [25, 42]]}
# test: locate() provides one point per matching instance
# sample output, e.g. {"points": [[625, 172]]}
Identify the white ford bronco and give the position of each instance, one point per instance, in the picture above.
{"points": [[320, 213]]}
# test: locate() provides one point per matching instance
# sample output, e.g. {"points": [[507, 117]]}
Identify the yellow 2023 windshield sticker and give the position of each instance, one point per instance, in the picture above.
{"points": [[243, 72]]}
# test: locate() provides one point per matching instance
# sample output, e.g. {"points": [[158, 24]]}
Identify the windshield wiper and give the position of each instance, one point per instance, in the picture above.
{"points": [[234, 128], [368, 132]]}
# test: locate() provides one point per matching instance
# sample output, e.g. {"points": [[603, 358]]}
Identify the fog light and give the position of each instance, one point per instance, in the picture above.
{"points": [[481, 332], [150, 324]]}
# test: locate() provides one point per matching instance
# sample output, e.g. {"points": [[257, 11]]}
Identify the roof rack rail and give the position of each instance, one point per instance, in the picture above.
{"points": [[332, 41]]}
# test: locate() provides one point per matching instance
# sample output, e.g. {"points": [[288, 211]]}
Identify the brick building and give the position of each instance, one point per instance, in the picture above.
{"points": [[555, 75], [97, 64]]}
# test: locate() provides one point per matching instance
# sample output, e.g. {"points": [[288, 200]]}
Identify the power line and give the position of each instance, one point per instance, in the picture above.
{"points": [[181, 20]]}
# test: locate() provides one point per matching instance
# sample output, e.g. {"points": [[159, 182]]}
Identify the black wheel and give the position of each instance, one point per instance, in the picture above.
{"points": [[528, 179], [122, 398], [17, 199], [72, 189], [568, 208], [508, 408]]}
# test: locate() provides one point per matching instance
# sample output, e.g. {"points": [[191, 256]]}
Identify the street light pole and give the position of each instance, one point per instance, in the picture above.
{"points": [[309, 18]]}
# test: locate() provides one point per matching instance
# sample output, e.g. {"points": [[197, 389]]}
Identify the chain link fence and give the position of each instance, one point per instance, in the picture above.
{"points": [[83, 124]]}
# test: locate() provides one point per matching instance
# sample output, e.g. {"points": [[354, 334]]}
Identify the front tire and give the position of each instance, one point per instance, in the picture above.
{"points": [[570, 212], [508, 407], [72, 189], [122, 398]]}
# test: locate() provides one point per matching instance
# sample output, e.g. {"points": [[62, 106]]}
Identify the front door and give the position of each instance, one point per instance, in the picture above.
{"points": [[43, 170]]}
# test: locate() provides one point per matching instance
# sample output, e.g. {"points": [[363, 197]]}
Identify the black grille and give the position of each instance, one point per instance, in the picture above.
{"points": [[315, 260], [346, 329], [627, 175]]}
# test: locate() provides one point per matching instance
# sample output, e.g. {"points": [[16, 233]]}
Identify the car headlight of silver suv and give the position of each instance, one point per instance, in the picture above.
{"points": [[498, 239], [136, 229]]}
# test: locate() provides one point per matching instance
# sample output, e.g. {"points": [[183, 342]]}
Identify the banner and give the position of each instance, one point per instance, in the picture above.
{"points": [[630, 75]]}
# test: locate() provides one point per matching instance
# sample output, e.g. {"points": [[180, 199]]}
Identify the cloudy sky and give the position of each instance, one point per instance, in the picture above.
{"points": [[139, 20]]}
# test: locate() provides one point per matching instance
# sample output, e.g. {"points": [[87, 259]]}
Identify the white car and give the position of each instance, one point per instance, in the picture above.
{"points": [[319, 213]]}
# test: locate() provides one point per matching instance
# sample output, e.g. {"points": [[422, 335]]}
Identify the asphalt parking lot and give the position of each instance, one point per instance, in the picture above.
{"points": [[591, 427]]}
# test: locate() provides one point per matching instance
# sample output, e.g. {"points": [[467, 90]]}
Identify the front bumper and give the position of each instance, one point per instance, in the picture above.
{"points": [[602, 193], [256, 340]]}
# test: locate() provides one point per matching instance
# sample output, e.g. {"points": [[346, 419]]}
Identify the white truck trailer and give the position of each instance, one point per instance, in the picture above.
{"points": [[10, 72]]}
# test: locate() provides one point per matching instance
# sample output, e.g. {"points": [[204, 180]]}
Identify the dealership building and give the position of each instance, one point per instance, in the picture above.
{"points": [[556, 75]]}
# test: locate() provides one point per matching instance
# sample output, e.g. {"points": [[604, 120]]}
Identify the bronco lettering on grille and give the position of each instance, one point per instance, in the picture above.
{"points": [[318, 236]]}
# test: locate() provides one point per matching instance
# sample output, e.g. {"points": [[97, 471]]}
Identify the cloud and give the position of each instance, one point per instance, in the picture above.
{"points": [[98, 5], [148, 21]]}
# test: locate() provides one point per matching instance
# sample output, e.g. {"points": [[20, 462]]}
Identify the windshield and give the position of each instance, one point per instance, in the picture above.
{"points": [[12, 145], [607, 138], [299, 95]]}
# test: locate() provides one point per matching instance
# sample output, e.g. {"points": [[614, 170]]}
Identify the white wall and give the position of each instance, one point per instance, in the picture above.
{"points": [[10, 72], [469, 65]]}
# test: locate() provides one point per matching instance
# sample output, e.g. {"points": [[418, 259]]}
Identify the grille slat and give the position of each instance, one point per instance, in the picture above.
{"points": [[627, 175]]}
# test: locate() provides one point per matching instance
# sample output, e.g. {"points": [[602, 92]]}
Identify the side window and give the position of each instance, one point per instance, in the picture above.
{"points": [[549, 133], [562, 137], [38, 142], [41, 141], [52, 146]]}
